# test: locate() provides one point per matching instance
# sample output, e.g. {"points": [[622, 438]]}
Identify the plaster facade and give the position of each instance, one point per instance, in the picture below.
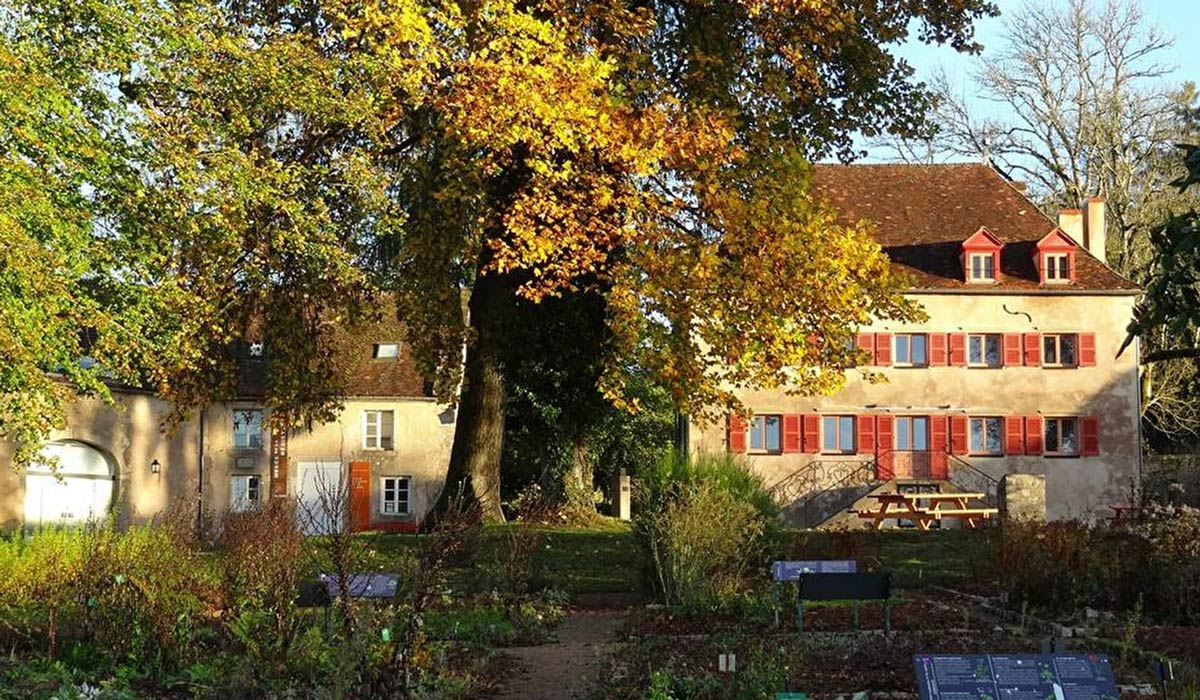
{"points": [[128, 432], [1076, 486]]}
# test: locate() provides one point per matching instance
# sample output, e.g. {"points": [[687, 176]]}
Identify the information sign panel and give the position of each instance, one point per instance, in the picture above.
{"points": [[1015, 677]]}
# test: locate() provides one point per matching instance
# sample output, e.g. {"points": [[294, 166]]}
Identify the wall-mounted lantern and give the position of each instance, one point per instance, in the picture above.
{"points": [[155, 467]]}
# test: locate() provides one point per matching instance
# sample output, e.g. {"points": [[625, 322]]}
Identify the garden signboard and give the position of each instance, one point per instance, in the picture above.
{"points": [[1015, 677]]}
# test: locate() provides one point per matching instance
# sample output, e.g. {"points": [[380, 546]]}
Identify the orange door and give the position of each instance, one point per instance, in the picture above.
{"points": [[360, 496]]}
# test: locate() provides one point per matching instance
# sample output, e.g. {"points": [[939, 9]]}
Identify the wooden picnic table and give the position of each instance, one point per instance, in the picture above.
{"points": [[1125, 513], [907, 506]]}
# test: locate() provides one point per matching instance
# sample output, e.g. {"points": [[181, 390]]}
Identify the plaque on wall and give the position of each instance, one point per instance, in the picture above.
{"points": [[279, 438]]}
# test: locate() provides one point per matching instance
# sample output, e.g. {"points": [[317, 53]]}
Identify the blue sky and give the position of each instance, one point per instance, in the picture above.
{"points": [[1179, 18]]}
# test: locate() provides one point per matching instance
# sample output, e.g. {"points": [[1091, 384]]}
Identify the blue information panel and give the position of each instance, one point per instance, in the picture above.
{"points": [[1016, 677], [364, 585], [792, 570]]}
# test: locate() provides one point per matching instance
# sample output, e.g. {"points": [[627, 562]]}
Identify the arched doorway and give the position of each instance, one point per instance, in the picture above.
{"points": [[82, 491]]}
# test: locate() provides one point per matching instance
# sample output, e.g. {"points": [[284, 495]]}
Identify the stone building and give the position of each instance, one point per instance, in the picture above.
{"points": [[1014, 372], [384, 456]]}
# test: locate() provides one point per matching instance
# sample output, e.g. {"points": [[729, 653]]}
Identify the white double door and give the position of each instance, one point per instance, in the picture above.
{"points": [[322, 498], [78, 489]]}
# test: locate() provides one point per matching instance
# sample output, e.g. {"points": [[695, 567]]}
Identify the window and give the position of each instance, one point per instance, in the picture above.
{"points": [[394, 493], [912, 433], [1059, 350], [987, 436], [837, 434], [386, 351], [245, 493], [912, 349], [766, 434], [377, 430], [983, 267], [984, 350], [247, 428], [1062, 436], [1058, 267]]}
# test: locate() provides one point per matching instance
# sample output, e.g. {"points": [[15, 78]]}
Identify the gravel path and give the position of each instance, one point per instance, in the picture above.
{"points": [[564, 670]]}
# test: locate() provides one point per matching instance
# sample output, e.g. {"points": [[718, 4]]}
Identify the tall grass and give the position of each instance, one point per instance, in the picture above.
{"points": [[727, 473], [702, 523]]}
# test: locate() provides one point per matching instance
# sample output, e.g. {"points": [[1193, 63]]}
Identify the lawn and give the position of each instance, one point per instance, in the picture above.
{"points": [[599, 559]]}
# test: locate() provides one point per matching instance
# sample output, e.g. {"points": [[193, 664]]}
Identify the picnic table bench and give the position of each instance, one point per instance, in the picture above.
{"points": [[1122, 514], [940, 506]]}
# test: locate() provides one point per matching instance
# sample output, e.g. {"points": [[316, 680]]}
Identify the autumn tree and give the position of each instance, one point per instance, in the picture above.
{"points": [[286, 158], [661, 150]]}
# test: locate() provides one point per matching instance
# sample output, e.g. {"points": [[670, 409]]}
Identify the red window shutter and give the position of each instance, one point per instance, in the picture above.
{"points": [[958, 349], [937, 349], [883, 349], [1087, 349], [938, 445], [1033, 349], [737, 434], [1014, 438], [866, 434], [1090, 427], [958, 435], [812, 433], [1012, 349], [791, 432], [1033, 435], [885, 470], [866, 343]]}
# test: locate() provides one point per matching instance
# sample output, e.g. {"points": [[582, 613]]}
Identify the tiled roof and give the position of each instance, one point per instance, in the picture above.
{"points": [[361, 374], [923, 213]]}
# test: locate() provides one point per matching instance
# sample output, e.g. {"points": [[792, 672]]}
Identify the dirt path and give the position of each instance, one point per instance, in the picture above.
{"points": [[563, 670]]}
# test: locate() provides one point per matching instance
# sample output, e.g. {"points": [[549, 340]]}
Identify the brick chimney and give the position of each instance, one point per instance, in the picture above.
{"points": [[1093, 228], [1071, 223]]}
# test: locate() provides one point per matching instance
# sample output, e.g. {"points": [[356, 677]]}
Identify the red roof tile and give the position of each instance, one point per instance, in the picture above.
{"points": [[923, 213]]}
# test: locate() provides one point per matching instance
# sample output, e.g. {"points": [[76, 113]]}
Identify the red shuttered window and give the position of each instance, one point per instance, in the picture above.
{"points": [[937, 349], [883, 451], [791, 432], [938, 446], [736, 430], [1033, 349], [1014, 438], [958, 435], [866, 434], [1090, 428], [1087, 349], [883, 349], [958, 349], [866, 343], [812, 432], [1012, 349], [1033, 435]]}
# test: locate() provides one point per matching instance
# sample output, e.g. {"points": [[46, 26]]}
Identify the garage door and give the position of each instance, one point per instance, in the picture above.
{"points": [[81, 492], [323, 497]]}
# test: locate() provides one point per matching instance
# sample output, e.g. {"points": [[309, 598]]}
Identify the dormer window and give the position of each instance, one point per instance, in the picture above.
{"points": [[1057, 267], [1055, 258], [386, 351], [982, 267], [981, 257]]}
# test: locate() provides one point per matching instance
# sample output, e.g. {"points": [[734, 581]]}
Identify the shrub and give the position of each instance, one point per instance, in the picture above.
{"points": [[727, 472], [260, 553], [703, 524], [1062, 567], [133, 596]]}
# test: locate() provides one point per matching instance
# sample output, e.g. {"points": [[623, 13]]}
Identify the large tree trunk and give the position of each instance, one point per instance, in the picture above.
{"points": [[479, 428], [578, 481]]}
